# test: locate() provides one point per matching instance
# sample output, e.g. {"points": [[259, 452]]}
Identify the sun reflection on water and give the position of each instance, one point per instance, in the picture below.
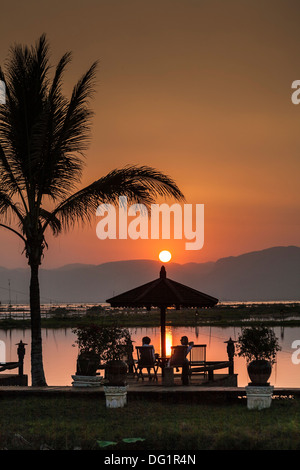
{"points": [[169, 341]]}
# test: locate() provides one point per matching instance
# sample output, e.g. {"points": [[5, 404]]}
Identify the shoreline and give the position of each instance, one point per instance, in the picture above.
{"points": [[281, 314]]}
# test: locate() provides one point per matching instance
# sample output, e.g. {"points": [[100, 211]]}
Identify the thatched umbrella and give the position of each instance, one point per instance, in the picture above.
{"points": [[163, 293]]}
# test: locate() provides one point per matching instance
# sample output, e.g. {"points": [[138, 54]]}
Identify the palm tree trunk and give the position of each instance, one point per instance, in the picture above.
{"points": [[37, 369]]}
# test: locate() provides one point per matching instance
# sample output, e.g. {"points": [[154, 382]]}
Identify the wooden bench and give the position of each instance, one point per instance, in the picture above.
{"points": [[15, 379], [210, 367], [197, 361]]}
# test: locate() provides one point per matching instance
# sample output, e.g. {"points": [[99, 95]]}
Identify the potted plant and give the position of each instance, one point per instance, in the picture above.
{"points": [[117, 344], [259, 346], [103, 344], [90, 349]]}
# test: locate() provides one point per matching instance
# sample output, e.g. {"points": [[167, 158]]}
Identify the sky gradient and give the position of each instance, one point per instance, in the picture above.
{"points": [[200, 90]]}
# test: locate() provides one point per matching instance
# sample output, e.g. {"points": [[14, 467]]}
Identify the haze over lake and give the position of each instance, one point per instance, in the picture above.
{"points": [[270, 274]]}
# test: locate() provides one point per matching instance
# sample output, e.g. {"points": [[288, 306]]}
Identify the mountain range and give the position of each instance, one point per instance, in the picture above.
{"points": [[267, 275]]}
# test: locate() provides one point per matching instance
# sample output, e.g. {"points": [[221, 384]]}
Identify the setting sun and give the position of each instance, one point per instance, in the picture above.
{"points": [[165, 256]]}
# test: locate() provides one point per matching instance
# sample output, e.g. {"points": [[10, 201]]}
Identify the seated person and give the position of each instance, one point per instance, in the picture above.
{"points": [[185, 342], [146, 343], [180, 356]]}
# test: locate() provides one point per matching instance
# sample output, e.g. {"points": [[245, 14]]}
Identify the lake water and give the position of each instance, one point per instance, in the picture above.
{"points": [[60, 351]]}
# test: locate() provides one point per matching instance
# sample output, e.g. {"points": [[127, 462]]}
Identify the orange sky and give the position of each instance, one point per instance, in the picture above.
{"points": [[199, 89]]}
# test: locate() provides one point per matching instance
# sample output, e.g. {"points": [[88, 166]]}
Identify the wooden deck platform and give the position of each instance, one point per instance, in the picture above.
{"points": [[195, 391], [13, 379]]}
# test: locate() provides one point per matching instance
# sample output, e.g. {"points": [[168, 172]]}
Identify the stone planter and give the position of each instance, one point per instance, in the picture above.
{"points": [[116, 396], [116, 373], [87, 364], [85, 381], [259, 397], [259, 372]]}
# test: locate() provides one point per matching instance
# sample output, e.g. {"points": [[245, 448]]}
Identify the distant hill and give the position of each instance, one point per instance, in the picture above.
{"points": [[270, 274]]}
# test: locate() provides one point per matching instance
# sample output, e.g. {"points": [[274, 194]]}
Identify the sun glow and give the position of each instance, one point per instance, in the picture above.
{"points": [[169, 341], [165, 256]]}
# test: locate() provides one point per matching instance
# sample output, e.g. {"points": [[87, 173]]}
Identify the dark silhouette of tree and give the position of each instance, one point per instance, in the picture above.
{"points": [[43, 137]]}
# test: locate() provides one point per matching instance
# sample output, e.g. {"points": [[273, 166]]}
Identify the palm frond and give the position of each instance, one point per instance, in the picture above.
{"points": [[8, 206], [68, 124], [8, 182], [140, 184], [21, 117], [42, 133], [15, 232], [48, 218]]}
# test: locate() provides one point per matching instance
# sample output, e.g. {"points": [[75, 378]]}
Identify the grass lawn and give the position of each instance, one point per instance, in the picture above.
{"points": [[65, 423]]}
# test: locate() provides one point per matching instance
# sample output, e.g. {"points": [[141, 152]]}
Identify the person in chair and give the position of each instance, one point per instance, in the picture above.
{"points": [[185, 366], [146, 343]]}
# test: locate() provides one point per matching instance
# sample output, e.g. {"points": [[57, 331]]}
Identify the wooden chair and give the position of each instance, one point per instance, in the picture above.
{"points": [[145, 360], [178, 356], [197, 358], [130, 361]]}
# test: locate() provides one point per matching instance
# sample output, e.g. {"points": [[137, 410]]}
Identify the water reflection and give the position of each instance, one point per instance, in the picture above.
{"points": [[60, 354]]}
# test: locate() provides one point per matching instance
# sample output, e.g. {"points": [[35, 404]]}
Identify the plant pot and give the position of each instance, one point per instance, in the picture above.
{"points": [[116, 373], [259, 372], [87, 364]]}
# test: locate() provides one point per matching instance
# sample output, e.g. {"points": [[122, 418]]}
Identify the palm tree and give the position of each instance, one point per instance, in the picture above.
{"points": [[43, 136]]}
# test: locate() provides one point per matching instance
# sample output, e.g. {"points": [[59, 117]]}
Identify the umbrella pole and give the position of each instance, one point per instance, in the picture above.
{"points": [[163, 331]]}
